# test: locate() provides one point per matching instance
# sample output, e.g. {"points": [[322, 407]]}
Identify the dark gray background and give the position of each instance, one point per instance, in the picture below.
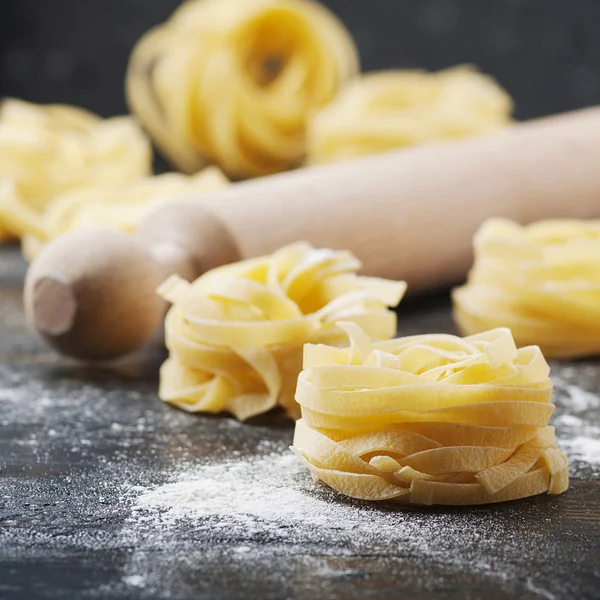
{"points": [[545, 52]]}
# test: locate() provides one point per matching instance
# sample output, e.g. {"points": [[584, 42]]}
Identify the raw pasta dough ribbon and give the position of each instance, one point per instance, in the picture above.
{"points": [[429, 419], [542, 281], [393, 109], [48, 150], [235, 81], [236, 334]]}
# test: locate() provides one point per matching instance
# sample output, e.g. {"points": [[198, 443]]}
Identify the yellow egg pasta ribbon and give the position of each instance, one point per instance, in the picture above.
{"points": [[429, 419], [393, 109], [542, 281], [236, 334], [48, 150], [234, 82], [120, 207]]}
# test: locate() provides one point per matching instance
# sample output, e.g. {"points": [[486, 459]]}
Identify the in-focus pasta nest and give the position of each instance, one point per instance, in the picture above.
{"points": [[430, 419], [542, 281], [48, 150], [121, 207], [393, 109], [234, 81], [236, 334]]}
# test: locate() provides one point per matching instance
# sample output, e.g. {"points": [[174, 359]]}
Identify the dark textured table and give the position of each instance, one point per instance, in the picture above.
{"points": [[108, 493]]}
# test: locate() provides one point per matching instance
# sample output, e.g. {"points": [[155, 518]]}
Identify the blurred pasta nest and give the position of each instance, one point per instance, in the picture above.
{"points": [[234, 81], [121, 207], [48, 150], [392, 109], [429, 419], [236, 334], [542, 281]]}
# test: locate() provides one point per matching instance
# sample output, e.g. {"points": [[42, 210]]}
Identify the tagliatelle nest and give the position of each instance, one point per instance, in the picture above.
{"points": [[236, 334], [115, 206], [48, 150], [542, 281], [430, 419], [234, 81], [394, 109]]}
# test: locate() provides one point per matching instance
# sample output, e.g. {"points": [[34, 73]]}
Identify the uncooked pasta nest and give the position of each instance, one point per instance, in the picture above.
{"points": [[234, 81], [429, 419], [236, 334], [542, 281], [48, 150], [121, 207], [393, 109]]}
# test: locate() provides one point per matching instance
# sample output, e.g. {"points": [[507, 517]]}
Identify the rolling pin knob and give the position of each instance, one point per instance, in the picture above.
{"points": [[53, 305], [90, 293]]}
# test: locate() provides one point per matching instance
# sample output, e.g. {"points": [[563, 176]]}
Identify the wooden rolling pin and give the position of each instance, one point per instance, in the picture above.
{"points": [[407, 214]]}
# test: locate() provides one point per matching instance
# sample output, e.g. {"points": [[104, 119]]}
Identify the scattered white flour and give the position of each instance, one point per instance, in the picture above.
{"points": [[568, 421], [582, 448], [245, 510], [274, 496], [266, 489], [538, 591], [578, 437], [574, 398], [134, 580]]}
